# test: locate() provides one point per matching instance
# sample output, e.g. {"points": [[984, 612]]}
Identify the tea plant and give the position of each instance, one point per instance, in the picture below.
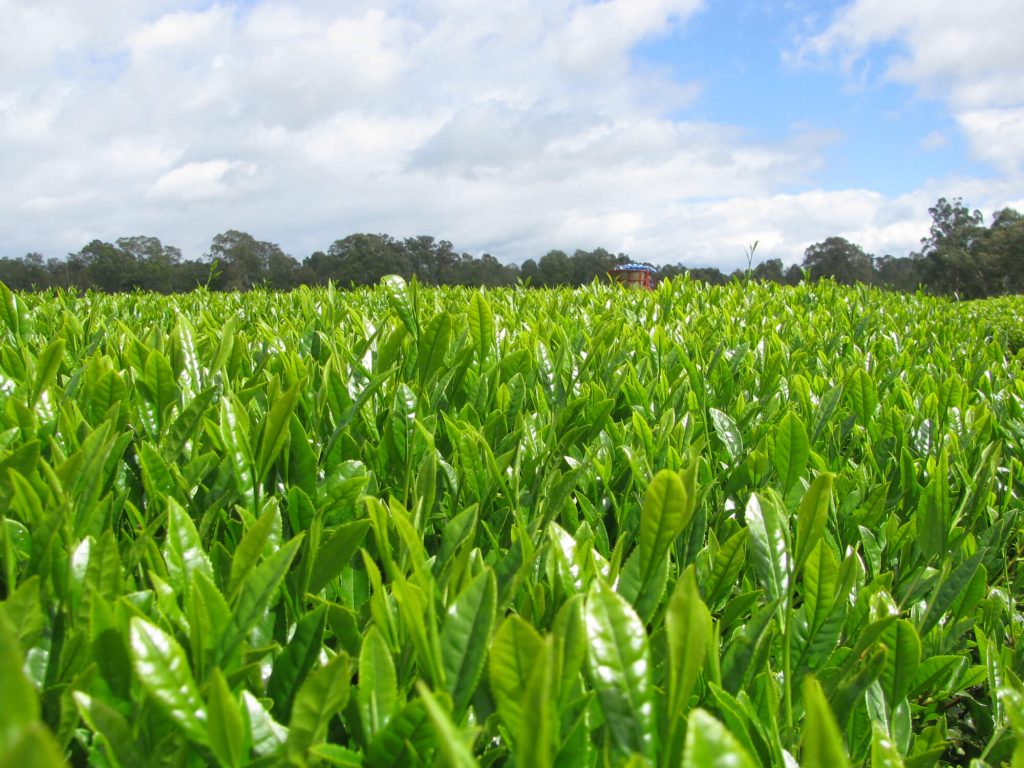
{"points": [[741, 525]]}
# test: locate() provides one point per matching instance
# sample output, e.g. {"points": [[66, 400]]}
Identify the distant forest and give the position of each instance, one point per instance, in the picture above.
{"points": [[960, 256]]}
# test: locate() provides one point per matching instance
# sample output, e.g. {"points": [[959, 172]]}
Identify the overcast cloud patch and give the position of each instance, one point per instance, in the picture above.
{"points": [[509, 129]]}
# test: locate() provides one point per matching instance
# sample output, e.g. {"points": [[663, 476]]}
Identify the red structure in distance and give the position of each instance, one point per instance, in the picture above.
{"points": [[634, 275]]}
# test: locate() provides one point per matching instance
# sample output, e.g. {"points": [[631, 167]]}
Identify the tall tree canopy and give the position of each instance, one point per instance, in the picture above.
{"points": [[838, 258]]}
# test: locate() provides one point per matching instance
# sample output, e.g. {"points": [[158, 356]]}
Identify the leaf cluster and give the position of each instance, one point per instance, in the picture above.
{"points": [[704, 525]]}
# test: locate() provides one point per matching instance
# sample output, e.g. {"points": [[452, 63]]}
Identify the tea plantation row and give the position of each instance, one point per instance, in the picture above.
{"points": [[705, 526]]}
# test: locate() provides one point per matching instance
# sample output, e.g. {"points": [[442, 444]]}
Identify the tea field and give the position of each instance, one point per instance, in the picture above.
{"points": [[743, 525]]}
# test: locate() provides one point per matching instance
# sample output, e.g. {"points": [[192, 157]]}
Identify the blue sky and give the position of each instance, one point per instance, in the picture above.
{"points": [[672, 130], [738, 52]]}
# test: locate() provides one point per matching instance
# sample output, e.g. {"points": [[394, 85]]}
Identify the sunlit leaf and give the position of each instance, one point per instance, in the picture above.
{"points": [[619, 664], [163, 671]]}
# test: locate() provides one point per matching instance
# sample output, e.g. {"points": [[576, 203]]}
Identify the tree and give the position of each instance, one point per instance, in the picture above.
{"points": [[709, 275], [1003, 246], [486, 270], [949, 256], [588, 265], [25, 274], [554, 268], [316, 268], [900, 273], [364, 259], [838, 258], [282, 270], [156, 263], [529, 272], [770, 269], [245, 261], [433, 262], [794, 275], [104, 266]]}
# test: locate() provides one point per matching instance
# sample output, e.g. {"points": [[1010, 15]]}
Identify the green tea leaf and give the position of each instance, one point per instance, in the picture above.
{"points": [[47, 366], [862, 395], [849, 691], [10, 311], [822, 741], [36, 748], [569, 633], [411, 728], [267, 736], [666, 511], [418, 620], [481, 326], [820, 580], [163, 671], [274, 434], [642, 582], [184, 550], [811, 518], [729, 561], [769, 544], [709, 744], [109, 724], [255, 593], [332, 754], [158, 384], [904, 655], [826, 407], [728, 432], [934, 673], [19, 704], [322, 695], [296, 659], [455, 750], [24, 611], [931, 522], [619, 663], [465, 636], [184, 428], [883, 752], [225, 728], [791, 450], [688, 631], [515, 652], [400, 299], [534, 745], [948, 590], [252, 545], [378, 684], [743, 648], [335, 553], [434, 346]]}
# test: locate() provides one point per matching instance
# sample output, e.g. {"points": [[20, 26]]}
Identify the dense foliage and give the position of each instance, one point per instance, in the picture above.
{"points": [[959, 257], [742, 525]]}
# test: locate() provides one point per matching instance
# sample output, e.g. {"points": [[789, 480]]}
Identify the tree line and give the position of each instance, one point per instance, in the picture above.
{"points": [[960, 256]]}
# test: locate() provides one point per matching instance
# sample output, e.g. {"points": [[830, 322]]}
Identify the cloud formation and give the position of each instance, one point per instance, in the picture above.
{"points": [[510, 128], [967, 55]]}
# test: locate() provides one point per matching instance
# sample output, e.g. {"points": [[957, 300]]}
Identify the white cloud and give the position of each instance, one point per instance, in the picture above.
{"points": [[967, 55], [50, 203], [512, 127], [996, 135], [176, 32], [604, 32], [785, 224], [207, 180]]}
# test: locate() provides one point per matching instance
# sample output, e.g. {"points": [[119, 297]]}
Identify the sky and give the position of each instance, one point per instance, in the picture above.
{"points": [[676, 131]]}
